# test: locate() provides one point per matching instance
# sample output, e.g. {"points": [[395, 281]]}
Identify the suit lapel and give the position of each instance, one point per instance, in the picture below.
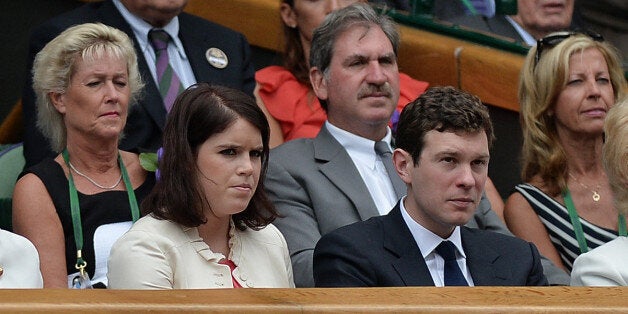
{"points": [[481, 260], [500, 25], [196, 45], [398, 240], [338, 167], [150, 98]]}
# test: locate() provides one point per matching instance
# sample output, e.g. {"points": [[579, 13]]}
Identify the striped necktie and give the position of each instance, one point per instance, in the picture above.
{"points": [[169, 83], [382, 149]]}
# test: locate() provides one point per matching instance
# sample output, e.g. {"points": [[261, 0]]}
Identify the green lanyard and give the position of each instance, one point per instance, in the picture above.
{"points": [[76, 210], [577, 226]]}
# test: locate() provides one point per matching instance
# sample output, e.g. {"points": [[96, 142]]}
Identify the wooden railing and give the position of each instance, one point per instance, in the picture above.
{"points": [[490, 73], [410, 299]]}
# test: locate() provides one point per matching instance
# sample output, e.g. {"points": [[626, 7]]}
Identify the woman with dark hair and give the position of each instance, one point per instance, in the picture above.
{"points": [[208, 218]]}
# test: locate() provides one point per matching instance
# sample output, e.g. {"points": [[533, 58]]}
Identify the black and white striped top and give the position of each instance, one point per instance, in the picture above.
{"points": [[555, 217]]}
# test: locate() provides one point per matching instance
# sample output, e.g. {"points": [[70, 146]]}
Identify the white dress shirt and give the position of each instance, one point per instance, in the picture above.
{"points": [[369, 165], [427, 242]]}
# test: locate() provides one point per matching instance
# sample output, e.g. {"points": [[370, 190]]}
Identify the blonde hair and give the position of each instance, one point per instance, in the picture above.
{"points": [[55, 64], [615, 153], [539, 87]]}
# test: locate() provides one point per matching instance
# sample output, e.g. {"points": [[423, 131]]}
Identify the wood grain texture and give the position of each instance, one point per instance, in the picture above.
{"points": [[407, 299], [491, 74]]}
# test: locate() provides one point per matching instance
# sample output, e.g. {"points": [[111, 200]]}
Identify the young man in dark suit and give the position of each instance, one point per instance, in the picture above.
{"points": [[442, 155], [199, 51], [339, 178]]}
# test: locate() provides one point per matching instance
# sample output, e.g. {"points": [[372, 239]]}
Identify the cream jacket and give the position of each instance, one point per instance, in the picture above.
{"points": [[160, 254], [603, 266], [19, 262]]}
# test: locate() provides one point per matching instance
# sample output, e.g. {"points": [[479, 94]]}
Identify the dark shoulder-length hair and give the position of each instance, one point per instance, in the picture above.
{"points": [[293, 53], [198, 113]]}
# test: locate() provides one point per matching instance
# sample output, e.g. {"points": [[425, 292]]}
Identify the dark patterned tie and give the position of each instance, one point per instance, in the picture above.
{"points": [[453, 274], [169, 83], [382, 149]]}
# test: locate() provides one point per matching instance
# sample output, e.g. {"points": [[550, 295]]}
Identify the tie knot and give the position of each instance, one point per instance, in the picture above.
{"points": [[382, 149], [158, 39], [447, 251]]}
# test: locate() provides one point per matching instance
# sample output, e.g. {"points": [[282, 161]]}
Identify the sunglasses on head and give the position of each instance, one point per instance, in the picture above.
{"points": [[551, 40]]}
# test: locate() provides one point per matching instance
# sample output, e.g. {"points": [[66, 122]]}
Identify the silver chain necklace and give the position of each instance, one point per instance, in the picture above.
{"points": [[94, 182]]}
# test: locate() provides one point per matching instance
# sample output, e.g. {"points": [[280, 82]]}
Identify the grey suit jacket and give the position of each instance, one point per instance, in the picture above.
{"points": [[381, 252], [316, 188]]}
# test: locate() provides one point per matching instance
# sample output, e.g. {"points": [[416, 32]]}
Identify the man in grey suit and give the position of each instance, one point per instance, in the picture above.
{"points": [[442, 156], [337, 178]]}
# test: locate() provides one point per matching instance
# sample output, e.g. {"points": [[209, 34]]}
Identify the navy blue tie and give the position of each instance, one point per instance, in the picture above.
{"points": [[453, 275]]}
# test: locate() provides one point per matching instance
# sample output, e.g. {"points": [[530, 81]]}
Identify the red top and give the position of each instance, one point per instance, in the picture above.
{"points": [[297, 109], [232, 266]]}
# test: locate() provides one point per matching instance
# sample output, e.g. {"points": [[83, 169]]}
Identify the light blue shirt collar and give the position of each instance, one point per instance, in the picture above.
{"points": [[141, 28], [527, 38]]}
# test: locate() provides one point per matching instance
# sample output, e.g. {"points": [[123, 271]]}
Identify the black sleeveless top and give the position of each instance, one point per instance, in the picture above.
{"points": [[99, 209]]}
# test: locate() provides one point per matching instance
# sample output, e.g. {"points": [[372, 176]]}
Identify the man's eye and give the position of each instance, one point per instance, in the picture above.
{"points": [[480, 162]]}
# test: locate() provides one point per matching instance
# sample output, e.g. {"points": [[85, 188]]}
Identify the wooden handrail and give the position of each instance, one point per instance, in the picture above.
{"points": [[413, 299], [491, 74]]}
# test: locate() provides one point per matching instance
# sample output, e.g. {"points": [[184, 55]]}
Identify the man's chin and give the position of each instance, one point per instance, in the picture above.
{"points": [[460, 219]]}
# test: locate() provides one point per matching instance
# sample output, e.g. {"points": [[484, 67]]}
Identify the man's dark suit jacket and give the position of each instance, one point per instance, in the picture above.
{"points": [[381, 252], [453, 11], [147, 118]]}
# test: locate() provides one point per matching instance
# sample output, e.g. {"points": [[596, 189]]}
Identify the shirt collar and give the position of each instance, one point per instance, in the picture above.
{"points": [[527, 38], [141, 28], [356, 145], [426, 240]]}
